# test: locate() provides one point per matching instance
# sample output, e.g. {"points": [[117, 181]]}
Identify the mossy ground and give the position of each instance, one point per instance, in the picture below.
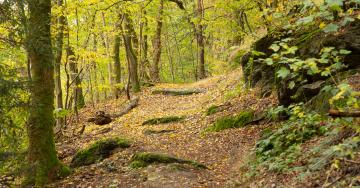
{"points": [[163, 120], [242, 119], [143, 159], [98, 151]]}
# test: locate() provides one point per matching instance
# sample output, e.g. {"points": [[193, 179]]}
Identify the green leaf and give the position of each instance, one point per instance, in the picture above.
{"points": [[292, 50], [335, 4], [305, 20], [291, 85], [326, 72], [347, 20], [283, 72], [345, 52], [269, 61], [331, 28], [275, 47], [257, 53]]}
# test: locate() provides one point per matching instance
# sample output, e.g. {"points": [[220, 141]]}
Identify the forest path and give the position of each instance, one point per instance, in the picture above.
{"points": [[220, 152]]}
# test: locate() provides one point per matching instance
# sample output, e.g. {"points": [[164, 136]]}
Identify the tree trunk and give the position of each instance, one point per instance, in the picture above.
{"points": [[57, 65], [117, 66], [200, 41], [145, 46], [130, 53], [44, 164], [107, 47], [78, 96], [155, 76], [94, 64]]}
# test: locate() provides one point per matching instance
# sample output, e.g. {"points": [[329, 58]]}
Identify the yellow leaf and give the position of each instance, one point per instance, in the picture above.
{"points": [[322, 25]]}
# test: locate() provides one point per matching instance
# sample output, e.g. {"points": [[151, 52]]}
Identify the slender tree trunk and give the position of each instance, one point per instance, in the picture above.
{"points": [[131, 55], [94, 64], [170, 57], [145, 48], [107, 47], [155, 73], [117, 66], [200, 41], [44, 164], [75, 83], [57, 64]]}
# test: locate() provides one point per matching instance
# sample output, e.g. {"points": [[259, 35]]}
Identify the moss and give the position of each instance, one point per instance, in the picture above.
{"points": [[98, 151], [241, 120], [150, 132], [64, 171], [137, 164], [163, 120], [143, 159], [212, 110], [178, 92]]}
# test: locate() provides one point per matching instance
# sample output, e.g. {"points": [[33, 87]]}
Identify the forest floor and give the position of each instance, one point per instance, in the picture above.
{"points": [[222, 152]]}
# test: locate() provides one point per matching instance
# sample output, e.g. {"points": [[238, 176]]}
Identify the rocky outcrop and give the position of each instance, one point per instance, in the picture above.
{"points": [[310, 43]]}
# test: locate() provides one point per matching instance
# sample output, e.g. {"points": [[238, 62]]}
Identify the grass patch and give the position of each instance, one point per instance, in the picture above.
{"points": [[144, 159], [163, 120], [242, 119], [212, 110], [98, 151]]}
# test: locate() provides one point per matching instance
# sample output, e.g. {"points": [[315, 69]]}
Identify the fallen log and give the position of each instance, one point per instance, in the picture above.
{"points": [[131, 105], [338, 113], [178, 92], [101, 118]]}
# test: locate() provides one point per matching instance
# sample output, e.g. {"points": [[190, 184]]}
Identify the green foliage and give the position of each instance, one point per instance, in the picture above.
{"points": [[143, 159], [277, 150], [276, 113], [13, 104], [346, 99], [98, 151], [242, 119], [163, 120]]}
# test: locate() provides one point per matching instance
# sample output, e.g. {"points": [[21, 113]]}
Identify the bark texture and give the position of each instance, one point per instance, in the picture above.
{"points": [[42, 158]]}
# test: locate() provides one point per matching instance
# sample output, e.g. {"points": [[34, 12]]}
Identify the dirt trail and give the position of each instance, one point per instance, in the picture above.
{"points": [[221, 152]]}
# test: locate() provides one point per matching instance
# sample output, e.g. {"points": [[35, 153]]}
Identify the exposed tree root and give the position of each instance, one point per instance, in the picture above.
{"points": [[163, 120], [144, 159], [98, 151], [178, 92]]}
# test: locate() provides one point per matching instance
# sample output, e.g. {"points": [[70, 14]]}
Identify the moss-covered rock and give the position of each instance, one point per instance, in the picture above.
{"points": [[98, 151], [241, 120], [143, 159], [163, 120]]}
